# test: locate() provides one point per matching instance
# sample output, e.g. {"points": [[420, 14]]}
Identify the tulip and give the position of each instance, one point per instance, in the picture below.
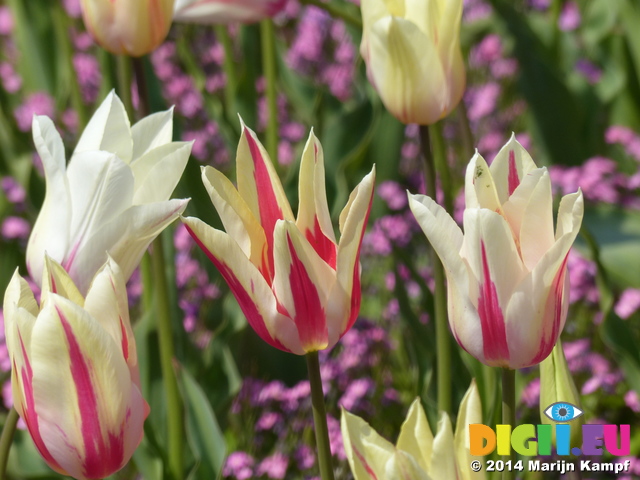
{"points": [[507, 283], [226, 11], [413, 57], [126, 27], [417, 455], [75, 378], [298, 288], [111, 198]]}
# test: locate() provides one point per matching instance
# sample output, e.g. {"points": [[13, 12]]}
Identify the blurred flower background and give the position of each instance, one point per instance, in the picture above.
{"points": [[562, 75]]}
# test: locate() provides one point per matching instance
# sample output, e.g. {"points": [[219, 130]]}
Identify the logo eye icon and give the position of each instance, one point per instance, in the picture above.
{"points": [[562, 412]]}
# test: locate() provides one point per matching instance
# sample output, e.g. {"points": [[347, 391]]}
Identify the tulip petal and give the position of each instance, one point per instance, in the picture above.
{"points": [[253, 293], [313, 219], [109, 130], [260, 187], [367, 452], [127, 237], [470, 412], [537, 309], [107, 302], [352, 223], [302, 284], [238, 220], [402, 466], [479, 186], [405, 69], [157, 173], [151, 132], [225, 11], [443, 459], [415, 436], [57, 280], [509, 167], [19, 323], [83, 393], [50, 233], [536, 232], [448, 45], [492, 255]]}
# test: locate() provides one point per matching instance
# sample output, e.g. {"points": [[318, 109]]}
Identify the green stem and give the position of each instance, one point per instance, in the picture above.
{"points": [[222, 34], [335, 12], [443, 340], [465, 128], [508, 410], [319, 417], [175, 429], [68, 75], [7, 439], [267, 40], [442, 167], [124, 83]]}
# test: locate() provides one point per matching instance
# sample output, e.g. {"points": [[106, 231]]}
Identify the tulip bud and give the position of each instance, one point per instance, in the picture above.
{"points": [[128, 27], [112, 197], [221, 11], [507, 278], [557, 385], [75, 379], [413, 57], [298, 287], [417, 455]]}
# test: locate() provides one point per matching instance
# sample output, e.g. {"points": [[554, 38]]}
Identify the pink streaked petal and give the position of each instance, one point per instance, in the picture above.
{"points": [[57, 280], [314, 220], [250, 288], [365, 464], [555, 312], [302, 284], [260, 187], [238, 220], [353, 221], [494, 337], [82, 388], [511, 161], [514, 180]]}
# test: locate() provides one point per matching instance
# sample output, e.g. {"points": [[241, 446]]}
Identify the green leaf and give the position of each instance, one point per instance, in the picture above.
{"points": [[203, 432]]}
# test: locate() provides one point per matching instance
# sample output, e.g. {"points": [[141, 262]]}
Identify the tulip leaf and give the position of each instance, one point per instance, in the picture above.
{"points": [[618, 336], [203, 432]]}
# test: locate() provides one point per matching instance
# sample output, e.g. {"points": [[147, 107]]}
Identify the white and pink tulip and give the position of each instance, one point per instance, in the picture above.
{"points": [[507, 274], [75, 378], [298, 287]]}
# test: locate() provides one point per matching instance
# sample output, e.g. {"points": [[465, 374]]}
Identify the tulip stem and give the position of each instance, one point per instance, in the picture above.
{"points": [[508, 410], [222, 34], [465, 128], [269, 70], [319, 417], [7, 439], [335, 12], [443, 342], [124, 82], [175, 430]]}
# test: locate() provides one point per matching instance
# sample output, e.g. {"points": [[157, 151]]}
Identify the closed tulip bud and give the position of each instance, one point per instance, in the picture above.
{"points": [[412, 52], [112, 198], [128, 27], [418, 454], [507, 276], [297, 285], [224, 11], [75, 379], [557, 385]]}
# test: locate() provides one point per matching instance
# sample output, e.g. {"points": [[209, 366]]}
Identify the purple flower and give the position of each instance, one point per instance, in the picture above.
{"points": [[239, 465], [15, 228], [482, 100], [38, 103], [569, 17], [628, 303], [274, 466], [305, 457], [6, 21]]}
